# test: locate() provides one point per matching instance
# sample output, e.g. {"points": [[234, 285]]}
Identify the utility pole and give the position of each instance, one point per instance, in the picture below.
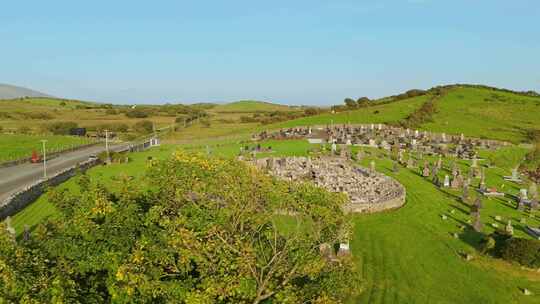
{"points": [[108, 160], [43, 141]]}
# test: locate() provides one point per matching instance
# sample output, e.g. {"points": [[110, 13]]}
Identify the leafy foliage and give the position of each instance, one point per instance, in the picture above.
{"points": [[206, 232], [524, 251]]}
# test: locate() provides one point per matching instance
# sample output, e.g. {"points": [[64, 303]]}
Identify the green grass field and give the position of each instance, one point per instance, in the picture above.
{"points": [[250, 106], [20, 146], [410, 256]]}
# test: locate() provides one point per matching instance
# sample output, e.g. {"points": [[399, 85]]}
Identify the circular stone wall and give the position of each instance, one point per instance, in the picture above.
{"points": [[367, 191]]}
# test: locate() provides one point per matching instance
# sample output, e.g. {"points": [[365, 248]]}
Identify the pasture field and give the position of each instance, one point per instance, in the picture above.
{"points": [[36, 113], [20, 146], [251, 106], [404, 256]]}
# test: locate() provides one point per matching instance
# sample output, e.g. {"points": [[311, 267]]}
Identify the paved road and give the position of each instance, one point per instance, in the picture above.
{"points": [[13, 179]]}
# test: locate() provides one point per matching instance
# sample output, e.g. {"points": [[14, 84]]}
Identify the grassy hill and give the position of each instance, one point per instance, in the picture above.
{"points": [[34, 113], [480, 112], [474, 111], [251, 106], [382, 113], [10, 91]]}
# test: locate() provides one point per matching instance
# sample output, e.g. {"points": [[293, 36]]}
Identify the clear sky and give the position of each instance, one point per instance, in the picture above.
{"points": [[294, 51]]}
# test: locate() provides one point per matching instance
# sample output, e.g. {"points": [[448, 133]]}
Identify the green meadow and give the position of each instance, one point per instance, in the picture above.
{"points": [[20, 146]]}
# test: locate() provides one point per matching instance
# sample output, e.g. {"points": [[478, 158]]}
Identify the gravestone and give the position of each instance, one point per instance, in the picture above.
{"points": [[478, 203], [474, 162], [446, 183], [410, 162], [425, 171], [523, 194], [509, 229], [344, 250], [482, 186], [457, 181], [26, 233], [533, 191], [395, 167], [359, 155], [477, 224], [465, 194], [326, 251], [372, 166], [9, 228]]}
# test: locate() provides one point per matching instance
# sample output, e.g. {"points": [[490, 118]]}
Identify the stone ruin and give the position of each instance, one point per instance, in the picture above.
{"points": [[368, 191]]}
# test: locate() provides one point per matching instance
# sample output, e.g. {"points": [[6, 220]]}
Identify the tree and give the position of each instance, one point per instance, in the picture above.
{"points": [[363, 102], [207, 231], [350, 103]]}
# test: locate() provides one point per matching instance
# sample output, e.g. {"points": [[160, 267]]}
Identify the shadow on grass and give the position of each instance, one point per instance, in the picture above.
{"points": [[471, 237]]}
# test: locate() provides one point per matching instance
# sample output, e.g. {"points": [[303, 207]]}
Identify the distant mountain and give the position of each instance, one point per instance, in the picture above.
{"points": [[9, 92]]}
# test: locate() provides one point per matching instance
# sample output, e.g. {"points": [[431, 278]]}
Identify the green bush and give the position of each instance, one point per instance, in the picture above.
{"points": [[137, 113], [144, 127], [523, 251], [61, 127]]}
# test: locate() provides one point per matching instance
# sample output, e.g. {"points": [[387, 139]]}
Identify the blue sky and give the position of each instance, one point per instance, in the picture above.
{"points": [[294, 52]]}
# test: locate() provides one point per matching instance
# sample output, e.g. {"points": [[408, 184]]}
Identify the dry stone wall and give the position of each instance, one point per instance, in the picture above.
{"points": [[368, 191], [23, 198]]}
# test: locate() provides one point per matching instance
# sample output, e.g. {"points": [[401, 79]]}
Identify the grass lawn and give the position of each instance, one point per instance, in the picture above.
{"points": [[19, 146], [410, 256], [251, 106]]}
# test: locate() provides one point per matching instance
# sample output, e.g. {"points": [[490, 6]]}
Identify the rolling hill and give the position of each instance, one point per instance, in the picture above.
{"points": [[251, 106], [475, 111], [10, 92]]}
